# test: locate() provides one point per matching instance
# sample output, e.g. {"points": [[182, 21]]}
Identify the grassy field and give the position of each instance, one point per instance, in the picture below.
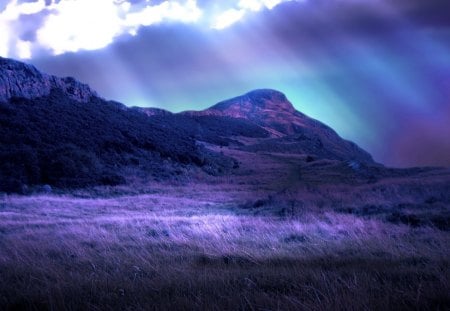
{"points": [[198, 247]]}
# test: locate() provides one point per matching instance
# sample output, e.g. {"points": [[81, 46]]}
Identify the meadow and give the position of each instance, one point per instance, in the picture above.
{"points": [[208, 246]]}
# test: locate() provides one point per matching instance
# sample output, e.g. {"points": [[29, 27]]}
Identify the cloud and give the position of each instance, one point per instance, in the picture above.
{"points": [[60, 26], [228, 18], [233, 15], [10, 40], [187, 12], [76, 25], [73, 25]]}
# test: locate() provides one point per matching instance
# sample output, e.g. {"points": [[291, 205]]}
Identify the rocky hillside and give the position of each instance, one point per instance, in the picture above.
{"points": [[290, 130], [22, 80], [267, 108]]}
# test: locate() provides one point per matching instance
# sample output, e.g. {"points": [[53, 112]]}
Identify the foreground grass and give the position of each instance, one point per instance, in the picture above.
{"points": [[172, 252]]}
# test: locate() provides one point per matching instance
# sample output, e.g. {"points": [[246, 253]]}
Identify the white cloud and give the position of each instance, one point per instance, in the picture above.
{"points": [[80, 24], [4, 39], [231, 16], [228, 18], [23, 49], [252, 5], [188, 12], [73, 25], [270, 4], [8, 16]]}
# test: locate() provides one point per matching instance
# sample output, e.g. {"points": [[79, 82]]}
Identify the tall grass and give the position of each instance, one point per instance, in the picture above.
{"points": [[170, 251]]}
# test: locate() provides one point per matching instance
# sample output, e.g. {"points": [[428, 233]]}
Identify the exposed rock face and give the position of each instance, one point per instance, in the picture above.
{"points": [[21, 80]]}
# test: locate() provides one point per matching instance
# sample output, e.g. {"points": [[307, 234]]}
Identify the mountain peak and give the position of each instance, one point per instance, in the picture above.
{"points": [[266, 107], [18, 79], [259, 101]]}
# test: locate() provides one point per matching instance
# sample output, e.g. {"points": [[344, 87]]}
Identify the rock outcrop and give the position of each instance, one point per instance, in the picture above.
{"points": [[22, 80]]}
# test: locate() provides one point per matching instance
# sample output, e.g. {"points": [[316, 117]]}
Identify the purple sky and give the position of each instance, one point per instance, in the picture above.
{"points": [[377, 71]]}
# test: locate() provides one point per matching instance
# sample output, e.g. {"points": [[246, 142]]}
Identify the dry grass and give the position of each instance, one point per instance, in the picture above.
{"points": [[189, 249]]}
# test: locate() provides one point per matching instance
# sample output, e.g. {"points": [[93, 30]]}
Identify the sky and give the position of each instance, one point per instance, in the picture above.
{"points": [[376, 71]]}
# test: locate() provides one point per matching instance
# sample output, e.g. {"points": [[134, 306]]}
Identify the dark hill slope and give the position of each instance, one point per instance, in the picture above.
{"points": [[63, 142], [216, 130]]}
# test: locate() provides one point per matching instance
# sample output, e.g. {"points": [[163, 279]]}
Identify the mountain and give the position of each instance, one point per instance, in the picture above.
{"points": [[57, 131], [267, 108], [290, 130]]}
